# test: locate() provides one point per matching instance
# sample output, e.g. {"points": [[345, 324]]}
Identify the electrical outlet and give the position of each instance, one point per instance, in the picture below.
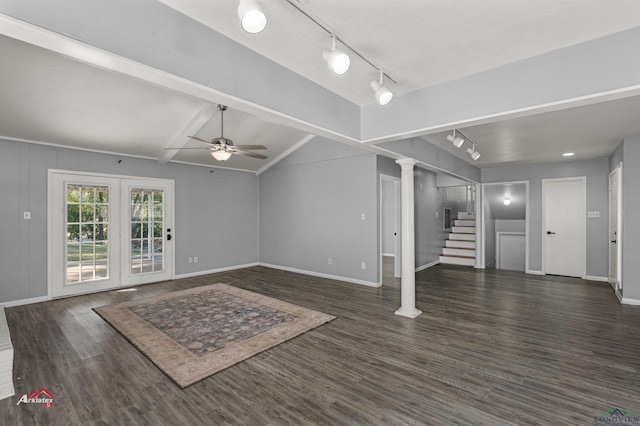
{"points": [[363, 216], [330, 261], [191, 260], [364, 265], [195, 259], [27, 215]]}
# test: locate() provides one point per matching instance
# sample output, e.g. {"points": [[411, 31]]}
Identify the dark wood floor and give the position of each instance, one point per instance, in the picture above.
{"points": [[491, 347]]}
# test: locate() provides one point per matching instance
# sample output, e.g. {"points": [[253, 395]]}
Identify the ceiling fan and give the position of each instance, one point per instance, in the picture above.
{"points": [[222, 148]]}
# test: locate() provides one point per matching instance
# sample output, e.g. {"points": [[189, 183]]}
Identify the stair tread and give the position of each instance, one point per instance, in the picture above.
{"points": [[457, 255], [459, 248]]}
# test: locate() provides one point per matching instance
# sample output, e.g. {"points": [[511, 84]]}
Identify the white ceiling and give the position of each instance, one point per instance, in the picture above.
{"points": [[590, 131], [419, 42], [50, 98]]}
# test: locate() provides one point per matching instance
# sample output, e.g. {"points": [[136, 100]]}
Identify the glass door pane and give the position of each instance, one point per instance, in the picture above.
{"points": [[87, 224], [147, 225]]}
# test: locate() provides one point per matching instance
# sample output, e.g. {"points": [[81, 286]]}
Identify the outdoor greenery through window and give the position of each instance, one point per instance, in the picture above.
{"points": [[87, 233], [147, 221]]}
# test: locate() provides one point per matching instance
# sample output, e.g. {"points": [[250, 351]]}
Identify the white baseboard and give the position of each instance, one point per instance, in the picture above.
{"points": [[321, 275], [389, 254], [24, 301], [627, 301], [428, 265], [596, 278], [215, 271], [533, 272]]}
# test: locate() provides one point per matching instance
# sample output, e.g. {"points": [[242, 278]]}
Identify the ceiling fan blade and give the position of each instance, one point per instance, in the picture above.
{"points": [[199, 139], [252, 147], [187, 148], [250, 154]]}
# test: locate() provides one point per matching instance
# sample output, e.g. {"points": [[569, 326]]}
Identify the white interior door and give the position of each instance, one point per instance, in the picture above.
{"points": [[147, 206], [106, 232], [614, 226], [564, 226]]}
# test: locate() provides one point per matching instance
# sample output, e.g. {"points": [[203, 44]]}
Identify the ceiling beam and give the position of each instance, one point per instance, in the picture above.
{"points": [[202, 117]]}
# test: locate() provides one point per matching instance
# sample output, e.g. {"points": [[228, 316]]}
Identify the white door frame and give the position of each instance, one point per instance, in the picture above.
{"points": [[617, 286], [481, 258], [397, 242], [51, 219], [543, 235]]}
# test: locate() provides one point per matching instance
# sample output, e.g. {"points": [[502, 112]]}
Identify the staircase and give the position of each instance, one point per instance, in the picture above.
{"points": [[460, 247]]}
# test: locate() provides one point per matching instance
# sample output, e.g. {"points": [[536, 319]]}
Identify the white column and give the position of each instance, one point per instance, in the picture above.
{"points": [[408, 280]]}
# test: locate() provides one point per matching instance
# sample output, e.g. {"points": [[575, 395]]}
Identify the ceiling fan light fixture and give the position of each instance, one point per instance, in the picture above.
{"points": [[338, 61], [252, 16], [221, 155]]}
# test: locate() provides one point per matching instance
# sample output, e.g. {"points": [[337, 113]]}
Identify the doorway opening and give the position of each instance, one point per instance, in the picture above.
{"points": [[505, 225], [615, 230], [390, 227]]}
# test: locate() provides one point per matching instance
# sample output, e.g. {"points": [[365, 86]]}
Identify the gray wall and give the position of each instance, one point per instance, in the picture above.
{"points": [[310, 210], [509, 225], [629, 154], [388, 218], [433, 156], [596, 172], [489, 235], [207, 210], [429, 235]]}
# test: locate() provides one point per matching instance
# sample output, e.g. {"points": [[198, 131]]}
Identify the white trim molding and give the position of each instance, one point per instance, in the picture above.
{"points": [[321, 275], [24, 301], [534, 272], [597, 278], [627, 301], [215, 271], [427, 265]]}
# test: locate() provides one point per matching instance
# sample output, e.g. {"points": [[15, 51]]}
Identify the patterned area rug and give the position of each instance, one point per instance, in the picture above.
{"points": [[192, 334]]}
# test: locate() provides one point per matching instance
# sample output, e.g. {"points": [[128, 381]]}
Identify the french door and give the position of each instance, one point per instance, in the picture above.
{"points": [[107, 232]]}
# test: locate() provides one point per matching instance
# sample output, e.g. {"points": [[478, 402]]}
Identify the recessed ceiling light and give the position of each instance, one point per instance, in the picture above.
{"points": [[568, 154]]}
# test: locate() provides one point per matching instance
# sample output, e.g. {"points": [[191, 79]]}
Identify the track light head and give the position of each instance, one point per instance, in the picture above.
{"points": [[473, 153], [457, 141], [338, 61], [382, 94], [252, 16]]}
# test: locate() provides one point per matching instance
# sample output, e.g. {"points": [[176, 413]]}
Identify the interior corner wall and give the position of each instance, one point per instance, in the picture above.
{"points": [[597, 174], [430, 236], [489, 236], [311, 205], [215, 215], [630, 209]]}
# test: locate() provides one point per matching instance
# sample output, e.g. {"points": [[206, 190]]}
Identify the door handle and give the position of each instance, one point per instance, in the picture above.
{"points": [[551, 233], [614, 241], [168, 237]]}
